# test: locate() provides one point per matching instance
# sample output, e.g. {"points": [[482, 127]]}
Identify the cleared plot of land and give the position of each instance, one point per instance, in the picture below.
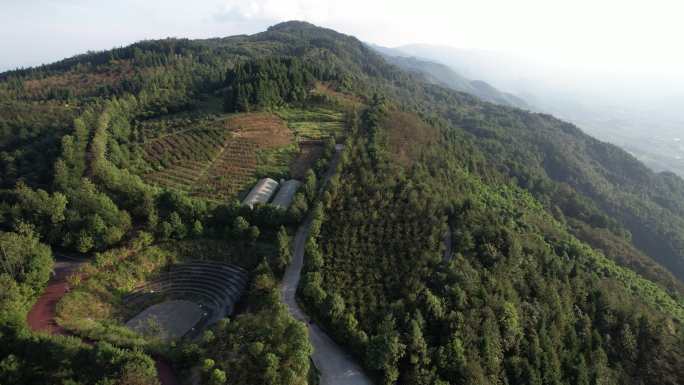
{"points": [[168, 320], [343, 99], [265, 129], [80, 82], [309, 152], [196, 145]]}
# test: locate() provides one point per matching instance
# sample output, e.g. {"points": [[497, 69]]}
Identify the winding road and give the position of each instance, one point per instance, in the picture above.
{"points": [[336, 366]]}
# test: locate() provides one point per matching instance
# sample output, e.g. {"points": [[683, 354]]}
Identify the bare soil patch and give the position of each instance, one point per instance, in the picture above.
{"points": [[309, 153], [265, 129]]}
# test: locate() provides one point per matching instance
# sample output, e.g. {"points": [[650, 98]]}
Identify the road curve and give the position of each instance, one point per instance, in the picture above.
{"points": [[336, 366]]}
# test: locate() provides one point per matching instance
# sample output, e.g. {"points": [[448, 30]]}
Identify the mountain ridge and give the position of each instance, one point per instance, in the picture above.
{"points": [[442, 74]]}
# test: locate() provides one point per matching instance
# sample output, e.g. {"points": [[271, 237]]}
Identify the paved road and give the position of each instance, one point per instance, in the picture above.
{"points": [[336, 366]]}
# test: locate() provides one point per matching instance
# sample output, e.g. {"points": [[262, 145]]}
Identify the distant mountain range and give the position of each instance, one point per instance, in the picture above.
{"points": [[437, 73], [639, 115]]}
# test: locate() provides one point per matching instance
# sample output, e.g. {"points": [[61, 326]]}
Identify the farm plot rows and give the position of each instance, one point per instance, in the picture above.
{"points": [[232, 171], [197, 145], [149, 131], [230, 168], [218, 163]]}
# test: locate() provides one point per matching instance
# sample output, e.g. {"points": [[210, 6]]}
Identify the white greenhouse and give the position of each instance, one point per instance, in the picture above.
{"points": [[286, 194], [261, 192]]}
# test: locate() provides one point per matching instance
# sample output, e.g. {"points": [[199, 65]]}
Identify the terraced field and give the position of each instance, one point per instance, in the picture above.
{"points": [[233, 170], [219, 161], [199, 145], [221, 157]]}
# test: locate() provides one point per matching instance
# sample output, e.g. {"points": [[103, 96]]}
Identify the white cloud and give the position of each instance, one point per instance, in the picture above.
{"points": [[274, 10]]}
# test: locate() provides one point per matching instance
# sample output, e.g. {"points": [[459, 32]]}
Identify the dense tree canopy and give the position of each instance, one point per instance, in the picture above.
{"points": [[518, 300], [267, 83]]}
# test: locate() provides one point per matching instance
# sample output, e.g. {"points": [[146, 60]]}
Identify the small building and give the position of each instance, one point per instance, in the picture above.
{"points": [[286, 193], [261, 192]]}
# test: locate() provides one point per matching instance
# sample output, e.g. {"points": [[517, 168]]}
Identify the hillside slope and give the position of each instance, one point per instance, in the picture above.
{"points": [[567, 253], [638, 114]]}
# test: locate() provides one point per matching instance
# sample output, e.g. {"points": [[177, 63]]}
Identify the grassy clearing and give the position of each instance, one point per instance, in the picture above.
{"points": [[79, 82], [408, 136], [93, 308], [330, 95], [314, 123], [265, 129]]}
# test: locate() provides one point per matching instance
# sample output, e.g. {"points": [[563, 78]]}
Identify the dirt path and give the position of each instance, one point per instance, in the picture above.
{"points": [[165, 372], [336, 366], [41, 317]]}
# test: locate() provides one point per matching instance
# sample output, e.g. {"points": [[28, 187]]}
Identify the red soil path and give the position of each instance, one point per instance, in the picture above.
{"points": [[41, 317], [165, 372]]}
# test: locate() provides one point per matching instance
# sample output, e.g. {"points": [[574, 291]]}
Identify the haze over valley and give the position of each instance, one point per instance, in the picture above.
{"points": [[641, 112]]}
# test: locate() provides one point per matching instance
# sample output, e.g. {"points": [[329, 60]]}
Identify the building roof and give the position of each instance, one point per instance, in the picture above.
{"points": [[261, 192], [286, 193]]}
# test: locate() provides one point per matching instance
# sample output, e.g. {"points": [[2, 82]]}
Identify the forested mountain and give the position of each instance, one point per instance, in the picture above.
{"points": [[640, 112], [460, 241]]}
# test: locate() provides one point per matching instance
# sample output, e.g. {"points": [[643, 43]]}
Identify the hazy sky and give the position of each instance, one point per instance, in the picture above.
{"points": [[638, 37]]}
